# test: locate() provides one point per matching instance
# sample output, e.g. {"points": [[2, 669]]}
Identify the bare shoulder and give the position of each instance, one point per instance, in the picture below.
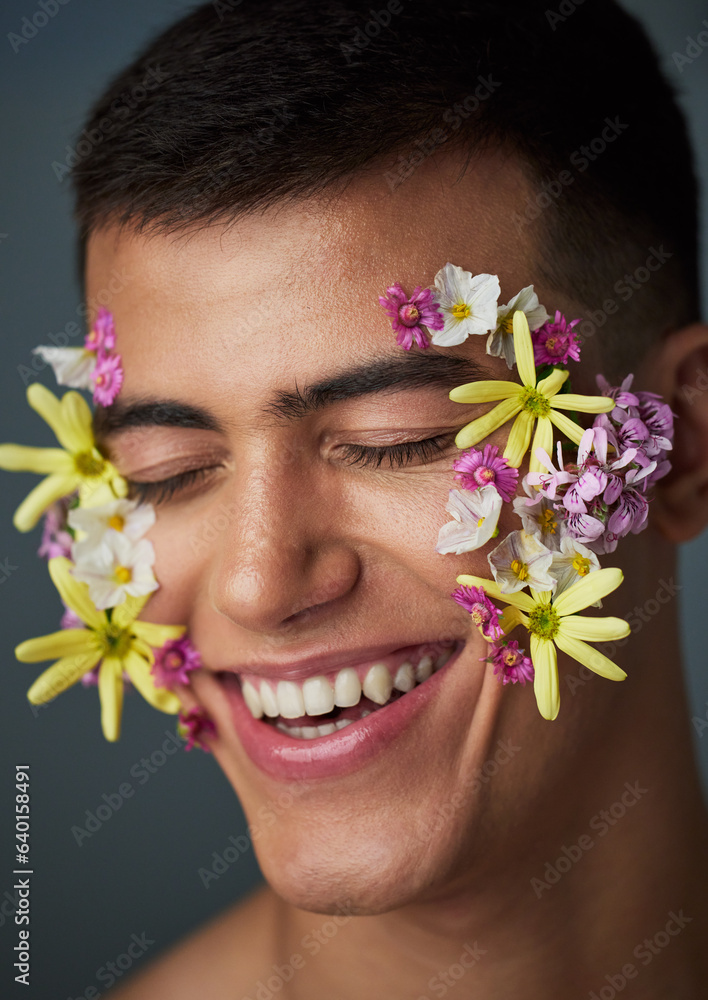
{"points": [[229, 952]]}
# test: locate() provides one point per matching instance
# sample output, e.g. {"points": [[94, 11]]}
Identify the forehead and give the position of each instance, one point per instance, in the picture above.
{"points": [[299, 281]]}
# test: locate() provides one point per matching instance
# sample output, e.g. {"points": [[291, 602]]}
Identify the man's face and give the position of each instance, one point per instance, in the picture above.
{"points": [[288, 560]]}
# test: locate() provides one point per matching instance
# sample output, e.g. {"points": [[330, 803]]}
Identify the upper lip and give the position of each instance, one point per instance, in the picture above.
{"points": [[325, 661]]}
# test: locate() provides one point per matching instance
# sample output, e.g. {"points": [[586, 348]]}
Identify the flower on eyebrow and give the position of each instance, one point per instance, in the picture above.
{"points": [[112, 640], [107, 379], [78, 464], [531, 403], [410, 315], [92, 366], [500, 344], [476, 515], [469, 304], [552, 622]]}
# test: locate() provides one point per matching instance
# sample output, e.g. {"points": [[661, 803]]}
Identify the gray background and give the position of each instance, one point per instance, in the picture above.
{"points": [[139, 871]]}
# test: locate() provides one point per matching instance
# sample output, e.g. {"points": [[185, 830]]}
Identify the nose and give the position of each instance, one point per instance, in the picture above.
{"points": [[283, 557]]}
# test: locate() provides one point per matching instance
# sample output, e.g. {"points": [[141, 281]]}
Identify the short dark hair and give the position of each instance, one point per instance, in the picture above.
{"points": [[245, 103]]}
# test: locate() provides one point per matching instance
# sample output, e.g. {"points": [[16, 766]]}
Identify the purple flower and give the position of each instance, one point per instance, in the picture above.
{"points": [[194, 725], [173, 661], [411, 314], [102, 337], [56, 540], [484, 614], [483, 468], [555, 342], [107, 378], [510, 663]]}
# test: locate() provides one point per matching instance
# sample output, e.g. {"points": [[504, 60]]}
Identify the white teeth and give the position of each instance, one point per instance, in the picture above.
{"points": [[269, 701], [342, 723], [444, 657], [378, 684], [347, 688], [405, 678], [318, 695], [424, 668], [291, 704], [253, 700], [311, 732]]}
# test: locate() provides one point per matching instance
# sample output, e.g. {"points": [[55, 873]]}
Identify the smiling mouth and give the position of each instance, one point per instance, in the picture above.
{"points": [[322, 705]]}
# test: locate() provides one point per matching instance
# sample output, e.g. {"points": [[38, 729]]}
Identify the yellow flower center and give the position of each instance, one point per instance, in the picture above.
{"points": [[535, 402], [117, 522], [480, 522], [123, 574], [581, 565], [460, 310], [548, 521], [89, 463], [544, 621], [507, 324], [519, 569], [115, 641]]}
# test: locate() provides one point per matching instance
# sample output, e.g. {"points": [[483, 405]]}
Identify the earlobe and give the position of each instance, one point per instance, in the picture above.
{"points": [[678, 369]]}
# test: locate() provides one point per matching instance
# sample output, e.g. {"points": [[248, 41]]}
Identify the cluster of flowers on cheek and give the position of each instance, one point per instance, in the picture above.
{"points": [[548, 569], [98, 554]]}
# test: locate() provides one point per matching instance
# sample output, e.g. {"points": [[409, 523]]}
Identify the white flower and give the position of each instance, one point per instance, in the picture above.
{"points": [[115, 569], [539, 517], [127, 517], [521, 560], [572, 563], [500, 343], [469, 304], [476, 514], [72, 366]]}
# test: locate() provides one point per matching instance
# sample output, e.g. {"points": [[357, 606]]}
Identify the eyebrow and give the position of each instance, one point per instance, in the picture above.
{"points": [[390, 373]]}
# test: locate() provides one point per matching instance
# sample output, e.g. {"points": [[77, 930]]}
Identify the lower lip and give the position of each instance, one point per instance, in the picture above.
{"points": [[288, 759]]}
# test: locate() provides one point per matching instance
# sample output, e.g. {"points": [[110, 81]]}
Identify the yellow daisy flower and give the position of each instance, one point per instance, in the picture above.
{"points": [[533, 402], [78, 464], [112, 638], [552, 621]]}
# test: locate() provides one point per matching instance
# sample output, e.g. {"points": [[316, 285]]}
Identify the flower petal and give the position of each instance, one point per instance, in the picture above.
{"points": [[128, 610], [157, 635], [75, 429], [46, 404], [44, 494], [586, 404], [74, 594], [594, 629], [492, 589], [484, 392], [510, 618], [61, 675], [139, 673], [482, 427], [543, 438], [519, 437], [523, 348], [67, 642], [565, 425], [110, 692], [591, 658], [591, 588], [18, 458], [550, 385], [545, 679]]}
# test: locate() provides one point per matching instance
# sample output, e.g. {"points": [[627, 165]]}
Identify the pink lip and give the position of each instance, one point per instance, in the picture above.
{"points": [[341, 753]]}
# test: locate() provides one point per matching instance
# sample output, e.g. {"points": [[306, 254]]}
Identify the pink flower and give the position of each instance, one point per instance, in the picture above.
{"points": [[102, 337], [173, 661], [482, 468], [56, 540], [70, 619], [409, 315], [556, 342], [484, 614], [107, 378], [510, 663], [193, 726]]}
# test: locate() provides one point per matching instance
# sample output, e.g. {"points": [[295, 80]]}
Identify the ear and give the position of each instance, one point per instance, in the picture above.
{"points": [[677, 368]]}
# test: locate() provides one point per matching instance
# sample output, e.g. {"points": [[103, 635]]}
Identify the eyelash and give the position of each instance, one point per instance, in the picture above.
{"points": [[357, 454]]}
